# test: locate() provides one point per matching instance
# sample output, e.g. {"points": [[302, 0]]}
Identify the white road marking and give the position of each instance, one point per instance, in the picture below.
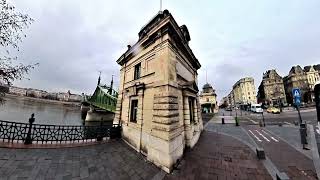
{"points": [[263, 136], [288, 123], [270, 136], [254, 122], [255, 136]]}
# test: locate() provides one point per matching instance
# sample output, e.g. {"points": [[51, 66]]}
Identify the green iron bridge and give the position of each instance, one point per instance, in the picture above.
{"points": [[104, 97]]}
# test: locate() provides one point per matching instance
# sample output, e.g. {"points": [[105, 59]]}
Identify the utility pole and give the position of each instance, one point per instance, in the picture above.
{"points": [[206, 77], [99, 79]]}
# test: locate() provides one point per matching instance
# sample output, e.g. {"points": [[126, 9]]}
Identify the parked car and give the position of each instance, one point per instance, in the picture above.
{"points": [[228, 109], [273, 110], [256, 108]]}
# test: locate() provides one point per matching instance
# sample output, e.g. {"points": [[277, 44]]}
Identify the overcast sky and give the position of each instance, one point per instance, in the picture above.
{"points": [[74, 39]]}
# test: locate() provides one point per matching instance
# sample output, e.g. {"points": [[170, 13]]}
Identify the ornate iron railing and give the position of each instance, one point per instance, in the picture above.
{"points": [[54, 134]]}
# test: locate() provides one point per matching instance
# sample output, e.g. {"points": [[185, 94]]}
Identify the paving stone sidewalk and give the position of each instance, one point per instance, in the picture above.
{"points": [[284, 156], [112, 160], [218, 156]]}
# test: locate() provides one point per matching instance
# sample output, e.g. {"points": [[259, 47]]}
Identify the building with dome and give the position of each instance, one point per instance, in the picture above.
{"points": [[208, 99]]}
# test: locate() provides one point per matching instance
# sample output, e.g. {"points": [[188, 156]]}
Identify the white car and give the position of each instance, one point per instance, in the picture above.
{"points": [[256, 108]]}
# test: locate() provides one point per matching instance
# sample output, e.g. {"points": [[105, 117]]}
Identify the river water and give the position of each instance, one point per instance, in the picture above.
{"points": [[19, 110]]}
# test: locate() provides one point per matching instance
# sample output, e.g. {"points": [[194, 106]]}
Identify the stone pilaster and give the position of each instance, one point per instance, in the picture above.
{"points": [[117, 116], [166, 140]]}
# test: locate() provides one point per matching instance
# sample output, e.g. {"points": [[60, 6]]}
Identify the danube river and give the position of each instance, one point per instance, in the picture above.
{"points": [[19, 109]]}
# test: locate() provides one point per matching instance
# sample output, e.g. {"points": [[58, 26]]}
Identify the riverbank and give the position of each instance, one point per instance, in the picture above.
{"points": [[48, 101]]}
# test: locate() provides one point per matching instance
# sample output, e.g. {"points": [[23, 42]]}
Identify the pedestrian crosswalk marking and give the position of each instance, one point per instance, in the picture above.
{"points": [[266, 136], [270, 136], [255, 136], [263, 136], [254, 122]]}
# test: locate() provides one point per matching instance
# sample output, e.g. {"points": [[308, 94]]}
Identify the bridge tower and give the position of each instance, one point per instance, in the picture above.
{"points": [[158, 104]]}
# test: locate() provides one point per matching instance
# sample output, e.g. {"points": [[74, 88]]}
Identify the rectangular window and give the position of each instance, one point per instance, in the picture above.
{"points": [[134, 111], [137, 71], [191, 109]]}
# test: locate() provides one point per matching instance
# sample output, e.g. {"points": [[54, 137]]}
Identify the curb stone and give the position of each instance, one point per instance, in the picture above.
{"points": [[314, 148]]}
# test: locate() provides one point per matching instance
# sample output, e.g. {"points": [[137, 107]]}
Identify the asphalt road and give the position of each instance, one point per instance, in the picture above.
{"points": [[288, 117]]}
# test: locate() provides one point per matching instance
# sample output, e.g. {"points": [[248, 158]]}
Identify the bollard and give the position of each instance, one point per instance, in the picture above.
{"points": [[303, 135], [222, 120], [28, 139], [260, 153], [237, 123], [264, 124]]}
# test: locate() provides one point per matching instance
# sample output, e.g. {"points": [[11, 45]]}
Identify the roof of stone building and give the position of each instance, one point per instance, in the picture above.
{"points": [[268, 73], [206, 86], [242, 80], [307, 68], [317, 67], [162, 18], [296, 70]]}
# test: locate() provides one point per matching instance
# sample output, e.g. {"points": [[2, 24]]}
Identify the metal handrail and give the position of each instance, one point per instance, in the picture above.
{"points": [[27, 133]]}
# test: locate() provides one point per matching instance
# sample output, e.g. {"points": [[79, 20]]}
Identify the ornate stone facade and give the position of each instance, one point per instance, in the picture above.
{"points": [[208, 99], [158, 104], [271, 90], [312, 77], [296, 79], [244, 92]]}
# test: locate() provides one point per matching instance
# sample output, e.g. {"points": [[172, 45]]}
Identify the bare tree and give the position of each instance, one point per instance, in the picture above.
{"points": [[12, 24]]}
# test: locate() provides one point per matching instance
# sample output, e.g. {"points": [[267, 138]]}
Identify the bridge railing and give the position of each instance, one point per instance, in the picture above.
{"points": [[28, 133]]}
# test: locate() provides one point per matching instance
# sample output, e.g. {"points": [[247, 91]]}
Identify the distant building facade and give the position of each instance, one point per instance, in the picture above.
{"points": [[208, 99], [296, 78], [36, 93], [230, 99], [271, 89], [312, 77], [18, 91], [158, 103], [244, 92]]}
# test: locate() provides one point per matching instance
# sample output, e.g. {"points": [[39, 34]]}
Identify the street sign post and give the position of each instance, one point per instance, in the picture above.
{"points": [[296, 94]]}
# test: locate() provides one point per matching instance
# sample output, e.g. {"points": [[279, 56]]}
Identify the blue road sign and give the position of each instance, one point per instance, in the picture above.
{"points": [[296, 92], [297, 101]]}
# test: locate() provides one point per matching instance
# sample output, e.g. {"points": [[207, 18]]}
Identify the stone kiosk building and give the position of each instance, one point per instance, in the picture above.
{"points": [[158, 102], [208, 99]]}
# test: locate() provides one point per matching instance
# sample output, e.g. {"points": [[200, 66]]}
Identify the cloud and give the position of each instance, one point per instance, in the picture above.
{"points": [[73, 40]]}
